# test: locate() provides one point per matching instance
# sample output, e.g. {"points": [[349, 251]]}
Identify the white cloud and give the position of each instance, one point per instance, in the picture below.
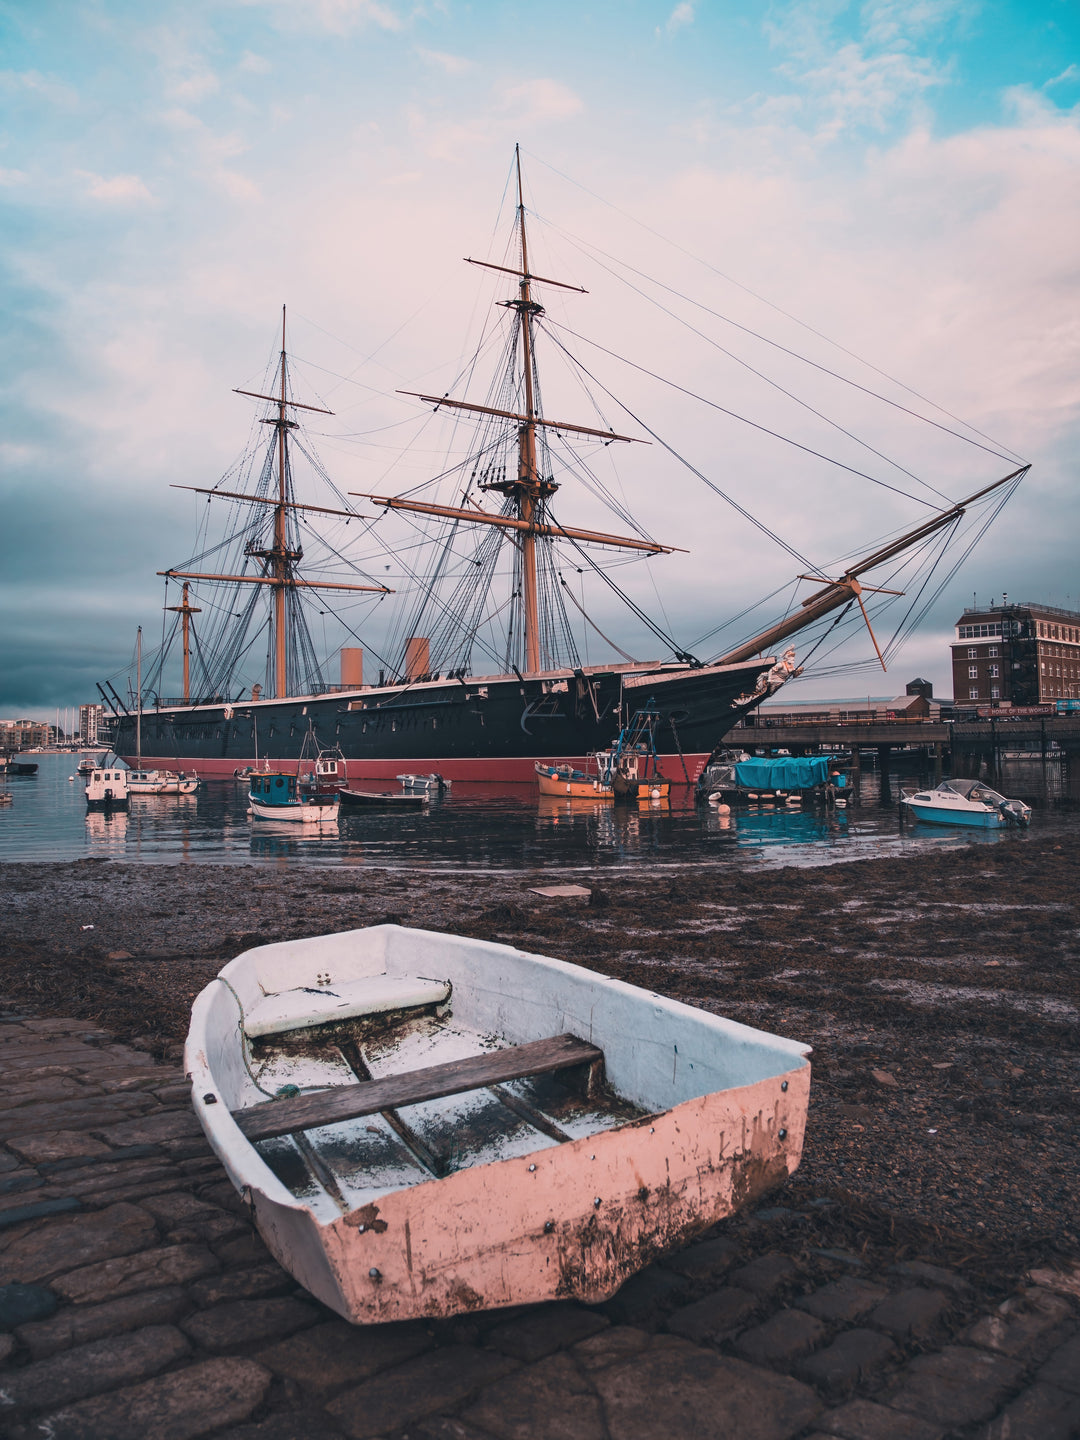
{"points": [[451, 64], [1069, 76], [114, 187], [541, 99], [32, 82], [336, 17], [683, 14], [13, 177], [252, 64]]}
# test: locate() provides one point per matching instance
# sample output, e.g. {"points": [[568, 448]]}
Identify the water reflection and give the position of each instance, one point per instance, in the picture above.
{"points": [[502, 827]]}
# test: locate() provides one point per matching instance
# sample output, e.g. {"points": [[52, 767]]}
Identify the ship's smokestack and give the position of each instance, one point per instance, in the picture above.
{"points": [[352, 667], [417, 657]]}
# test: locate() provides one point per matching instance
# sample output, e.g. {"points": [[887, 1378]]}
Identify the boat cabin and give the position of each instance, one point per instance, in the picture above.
{"points": [[274, 787], [107, 789]]}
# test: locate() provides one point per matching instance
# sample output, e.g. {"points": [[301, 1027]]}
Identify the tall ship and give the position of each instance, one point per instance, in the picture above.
{"points": [[448, 697]]}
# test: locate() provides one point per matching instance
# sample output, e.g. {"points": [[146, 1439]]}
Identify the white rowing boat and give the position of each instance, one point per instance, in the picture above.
{"points": [[424, 1124]]}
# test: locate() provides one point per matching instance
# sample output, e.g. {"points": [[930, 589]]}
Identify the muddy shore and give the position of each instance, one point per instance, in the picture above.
{"points": [[941, 994]]}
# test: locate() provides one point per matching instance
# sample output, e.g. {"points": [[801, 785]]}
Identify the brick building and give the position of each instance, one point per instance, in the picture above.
{"points": [[1024, 654]]}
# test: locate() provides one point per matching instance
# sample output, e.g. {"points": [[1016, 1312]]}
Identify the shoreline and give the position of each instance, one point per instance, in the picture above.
{"points": [[940, 990]]}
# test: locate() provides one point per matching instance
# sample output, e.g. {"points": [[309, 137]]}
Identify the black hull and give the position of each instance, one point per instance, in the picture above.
{"points": [[477, 729]]}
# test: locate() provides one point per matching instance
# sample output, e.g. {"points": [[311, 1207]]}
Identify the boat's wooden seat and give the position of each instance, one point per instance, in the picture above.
{"points": [[375, 994], [412, 1087]]}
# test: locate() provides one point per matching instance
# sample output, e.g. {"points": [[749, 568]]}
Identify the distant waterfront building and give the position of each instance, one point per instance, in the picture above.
{"points": [[917, 703], [24, 734], [1026, 654], [90, 718]]}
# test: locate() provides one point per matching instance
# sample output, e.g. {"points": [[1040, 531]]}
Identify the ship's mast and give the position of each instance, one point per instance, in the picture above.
{"points": [[279, 557], [185, 611], [527, 492], [279, 560]]}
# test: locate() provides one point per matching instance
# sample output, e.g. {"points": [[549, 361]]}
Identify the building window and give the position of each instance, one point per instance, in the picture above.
{"points": [[973, 694], [992, 651], [972, 652], [995, 671], [973, 672], [995, 693]]}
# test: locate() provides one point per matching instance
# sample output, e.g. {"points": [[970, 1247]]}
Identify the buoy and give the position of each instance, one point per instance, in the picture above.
{"points": [[723, 809]]}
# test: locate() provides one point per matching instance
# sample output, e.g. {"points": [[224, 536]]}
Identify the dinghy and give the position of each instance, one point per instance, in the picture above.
{"points": [[424, 1124]]}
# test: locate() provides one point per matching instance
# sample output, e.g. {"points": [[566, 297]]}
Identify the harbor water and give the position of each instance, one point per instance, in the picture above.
{"points": [[507, 827]]}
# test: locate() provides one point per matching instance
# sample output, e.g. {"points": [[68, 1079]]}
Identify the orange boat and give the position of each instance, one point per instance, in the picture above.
{"points": [[570, 784]]}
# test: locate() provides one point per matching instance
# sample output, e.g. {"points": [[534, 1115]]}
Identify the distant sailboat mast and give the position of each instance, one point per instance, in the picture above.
{"points": [[280, 562]]}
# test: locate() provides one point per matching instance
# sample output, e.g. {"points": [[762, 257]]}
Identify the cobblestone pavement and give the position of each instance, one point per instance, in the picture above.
{"points": [[137, 1303]]}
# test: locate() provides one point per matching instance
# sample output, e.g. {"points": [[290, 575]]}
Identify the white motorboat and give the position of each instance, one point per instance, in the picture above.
{"points": [[966, 802], [424, 783], [161, 782], [107, 787], [424, 1124]]}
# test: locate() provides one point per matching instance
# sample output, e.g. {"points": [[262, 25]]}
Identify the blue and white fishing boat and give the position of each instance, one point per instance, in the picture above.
{"points": [[966, 802], [276, 795]]}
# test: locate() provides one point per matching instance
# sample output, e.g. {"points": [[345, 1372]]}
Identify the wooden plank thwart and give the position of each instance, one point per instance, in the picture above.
{"points": [[369, 1097]]}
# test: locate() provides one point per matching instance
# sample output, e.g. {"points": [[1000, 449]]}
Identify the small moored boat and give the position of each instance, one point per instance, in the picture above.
{"points": [[107, 787], [276, 795], [568, 783], [966, 802], [424, 1124], [161, 782], [383, 800], [427, 783]]}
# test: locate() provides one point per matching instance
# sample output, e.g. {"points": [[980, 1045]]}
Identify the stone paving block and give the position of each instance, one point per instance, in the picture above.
{"points": [[440, 1380], [109, 1176], [19, 1181], [677, 1389], [705, 1262], [22, 1303], [765, 1275], [7, 1162], [254, 1284], [180, 1406], [547, 1401], [152, 1129], [1063, 1367], [90, 1163], [1065, 1281], [23, 1091], [443, 1427], [909, 1314], [211, 1230], [19, 1210], [714, 1318], [1042, 1412], [1021, 1326], [932, 1275], [295, 1425], [68, 1242], [79, 1324], [864, 1420], [56, 1145], [336, 1354], [956, 1386], [852, 1356], [7, 1348], [544, 1329], [91, 1114], [90, 1369], [246, 1250], [174, 1207], [149, 1270], [248, 1322], [607, 1347], [845, 1299], [782, 1338], [646, 1296]]}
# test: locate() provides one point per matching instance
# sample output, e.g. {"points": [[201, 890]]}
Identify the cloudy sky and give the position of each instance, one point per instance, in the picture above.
{"points": [[887, 189]]}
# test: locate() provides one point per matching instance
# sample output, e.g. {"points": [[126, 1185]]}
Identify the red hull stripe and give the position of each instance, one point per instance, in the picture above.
{"points": [[504, 770]]}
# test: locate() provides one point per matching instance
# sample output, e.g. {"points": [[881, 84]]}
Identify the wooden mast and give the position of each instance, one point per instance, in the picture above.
{"points": [[279, 559], [185, 611], [528, 492]]}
